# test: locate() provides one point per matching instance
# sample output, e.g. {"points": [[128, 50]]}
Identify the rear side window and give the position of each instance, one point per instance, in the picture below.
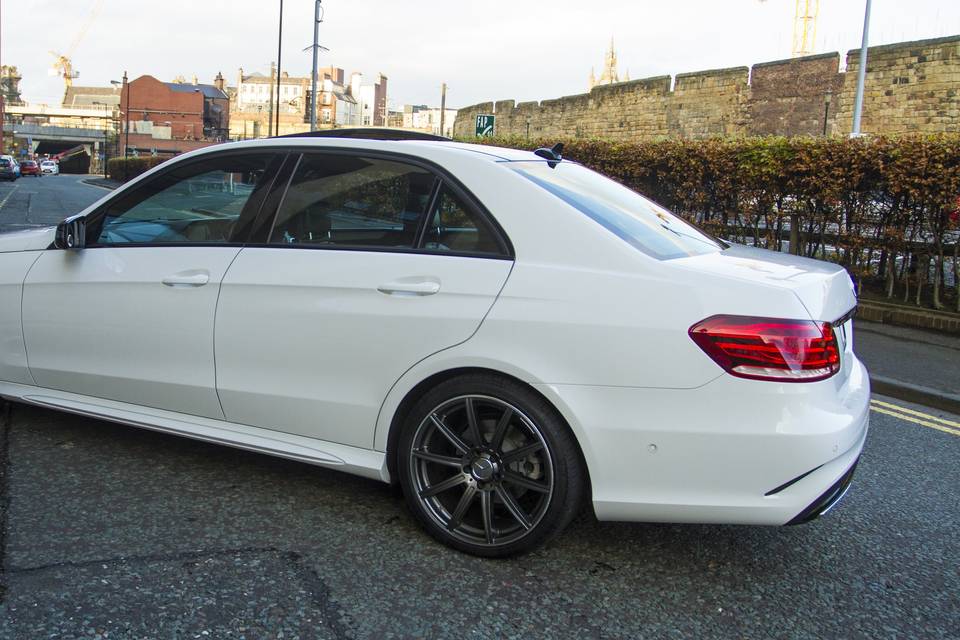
{"points": [[457, 228], [641, 223], [353, 201]]}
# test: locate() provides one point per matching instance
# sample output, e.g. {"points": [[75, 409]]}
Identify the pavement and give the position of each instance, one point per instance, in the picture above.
{"points": [[116, 532], [911, 364]]}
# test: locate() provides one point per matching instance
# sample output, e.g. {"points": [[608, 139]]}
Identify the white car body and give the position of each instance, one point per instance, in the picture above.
{"points": [[49, 167], [305, 354]]}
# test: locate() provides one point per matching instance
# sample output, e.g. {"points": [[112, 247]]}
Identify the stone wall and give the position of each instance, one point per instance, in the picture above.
{"points": [[910, 87]]}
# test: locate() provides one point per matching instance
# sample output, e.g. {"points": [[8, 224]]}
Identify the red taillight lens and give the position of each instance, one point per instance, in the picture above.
{"points": [[769, 348]]}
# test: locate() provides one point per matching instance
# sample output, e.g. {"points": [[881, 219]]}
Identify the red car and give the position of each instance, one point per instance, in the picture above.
{"points": [[30, 168]]}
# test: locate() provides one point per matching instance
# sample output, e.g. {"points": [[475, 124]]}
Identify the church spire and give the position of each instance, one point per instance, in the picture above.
{"points": [[609, 74]]}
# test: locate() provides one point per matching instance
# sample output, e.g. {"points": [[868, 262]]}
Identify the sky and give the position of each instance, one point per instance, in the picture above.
{"points": [[490, 50]]}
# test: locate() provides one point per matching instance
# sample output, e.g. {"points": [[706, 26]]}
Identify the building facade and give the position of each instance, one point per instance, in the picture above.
{"points": [[10, 85], [339, 103], [420, 117], [171, 117]]}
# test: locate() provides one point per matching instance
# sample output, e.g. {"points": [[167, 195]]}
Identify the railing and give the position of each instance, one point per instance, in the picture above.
{"points": [[38, 130], [94, 111]]}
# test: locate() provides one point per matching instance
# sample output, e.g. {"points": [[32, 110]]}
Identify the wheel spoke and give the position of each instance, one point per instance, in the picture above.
{"points": [[454, 439], [429, 456], [472, 421], [511, 504], [501, 431], [486, 507], [465, 500], [526, 483], [521, 452], [449, 483]]}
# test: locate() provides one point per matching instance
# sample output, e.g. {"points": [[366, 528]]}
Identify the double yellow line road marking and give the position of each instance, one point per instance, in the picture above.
{"points": [[916, 417]]}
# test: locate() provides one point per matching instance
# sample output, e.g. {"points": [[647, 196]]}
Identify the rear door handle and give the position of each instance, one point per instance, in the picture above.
{"points": [[187, 280], [412, 288]]}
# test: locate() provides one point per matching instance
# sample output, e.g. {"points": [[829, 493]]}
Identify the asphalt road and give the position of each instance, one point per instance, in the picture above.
{"points": [[39, 202], [115, 532]]}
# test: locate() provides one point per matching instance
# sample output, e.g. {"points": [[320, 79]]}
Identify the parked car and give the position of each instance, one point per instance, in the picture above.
{"points": [[9, 170], [49, 166], [507, 335], [30, 168]]}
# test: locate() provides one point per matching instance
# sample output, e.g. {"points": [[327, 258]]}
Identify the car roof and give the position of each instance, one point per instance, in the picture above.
{"points": [[428, 149]]}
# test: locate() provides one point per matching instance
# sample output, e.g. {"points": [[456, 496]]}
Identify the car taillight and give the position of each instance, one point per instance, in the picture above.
{"points": [[770, 348]]}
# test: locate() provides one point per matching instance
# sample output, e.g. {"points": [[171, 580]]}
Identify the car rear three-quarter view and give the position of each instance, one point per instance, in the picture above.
{"points": [[703, 382], [508, 335]]}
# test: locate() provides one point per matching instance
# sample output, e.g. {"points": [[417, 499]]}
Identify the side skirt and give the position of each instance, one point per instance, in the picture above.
{"points": [[354, 460]]}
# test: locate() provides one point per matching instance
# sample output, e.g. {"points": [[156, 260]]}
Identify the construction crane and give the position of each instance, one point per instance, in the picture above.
{"points": [[805, 27], [62, 62], [805, 16]]}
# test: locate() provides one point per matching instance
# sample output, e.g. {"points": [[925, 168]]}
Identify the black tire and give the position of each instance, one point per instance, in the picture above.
{"points": [[512, 490]]}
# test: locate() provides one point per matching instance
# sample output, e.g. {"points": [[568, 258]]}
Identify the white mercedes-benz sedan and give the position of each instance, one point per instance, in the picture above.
{"points": [[507, 335]]}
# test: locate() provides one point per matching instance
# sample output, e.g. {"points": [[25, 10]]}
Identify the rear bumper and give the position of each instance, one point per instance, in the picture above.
{"points": [[732, 451], [829, 499]]}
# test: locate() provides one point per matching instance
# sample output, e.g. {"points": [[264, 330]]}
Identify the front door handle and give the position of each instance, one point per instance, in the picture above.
{"points": [[410, 288], [187, 280]]}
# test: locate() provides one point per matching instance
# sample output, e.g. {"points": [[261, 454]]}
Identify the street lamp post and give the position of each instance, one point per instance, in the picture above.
{"points": [[126, 140], [317, 19], [279, 53], [106, 134], [861, 75]]}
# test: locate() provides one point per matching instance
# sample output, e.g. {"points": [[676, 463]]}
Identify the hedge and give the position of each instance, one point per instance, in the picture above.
{"points": [[886, 208], [124, 169]]}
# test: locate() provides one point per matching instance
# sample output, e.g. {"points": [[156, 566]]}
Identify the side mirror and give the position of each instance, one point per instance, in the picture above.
{"points": [[71, 234]]}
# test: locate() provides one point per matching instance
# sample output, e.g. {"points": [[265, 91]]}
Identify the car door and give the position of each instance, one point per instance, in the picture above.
{"points": [[349, 289], [130, 316]]}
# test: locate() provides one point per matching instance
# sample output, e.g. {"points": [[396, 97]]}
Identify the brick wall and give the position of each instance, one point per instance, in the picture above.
{"points": [[910, 87], [153, 100]]}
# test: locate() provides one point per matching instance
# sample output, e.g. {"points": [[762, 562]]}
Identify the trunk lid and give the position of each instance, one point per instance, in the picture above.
{"points": [[825, 289]]}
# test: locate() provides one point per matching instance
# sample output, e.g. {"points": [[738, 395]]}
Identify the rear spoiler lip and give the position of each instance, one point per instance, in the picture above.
{"points": [[847, 316]]}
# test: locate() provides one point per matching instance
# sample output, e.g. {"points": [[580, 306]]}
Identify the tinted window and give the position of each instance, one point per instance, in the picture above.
{"points": [[457, 228], [641, 223], [353, 201], [199, 202]]}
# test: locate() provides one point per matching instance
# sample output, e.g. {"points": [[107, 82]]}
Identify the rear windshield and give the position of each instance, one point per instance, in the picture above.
{"points": [[638, 221], [4, 162]]}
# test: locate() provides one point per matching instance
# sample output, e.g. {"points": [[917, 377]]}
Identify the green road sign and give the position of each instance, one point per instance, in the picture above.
{"points": [[485, 125]]}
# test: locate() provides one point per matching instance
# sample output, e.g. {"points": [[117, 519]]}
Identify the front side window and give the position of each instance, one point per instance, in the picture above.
{"points": [[641, 223], [353, 201], [197, 203]]}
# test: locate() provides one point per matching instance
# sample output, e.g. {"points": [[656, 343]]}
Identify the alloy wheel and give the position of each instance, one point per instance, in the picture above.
{"points": [[482, 470]]}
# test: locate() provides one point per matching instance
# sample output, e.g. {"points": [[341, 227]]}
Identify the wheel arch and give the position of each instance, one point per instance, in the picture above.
{"points": [[414, 393]]}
